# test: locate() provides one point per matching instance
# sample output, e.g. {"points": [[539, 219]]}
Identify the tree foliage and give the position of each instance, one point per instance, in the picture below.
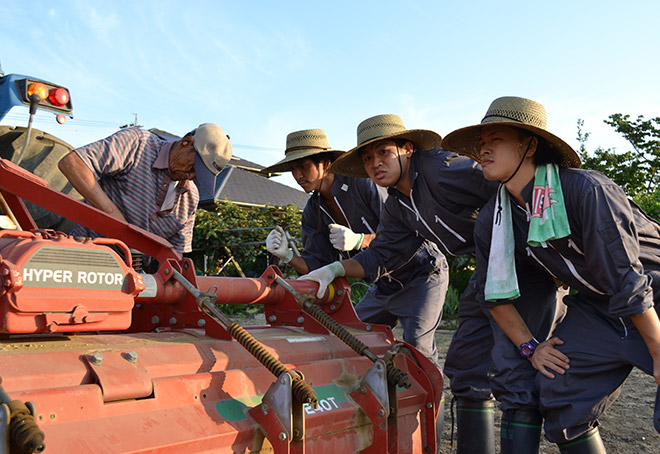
{"points": [[622, 168], [238, 232], [637, 171], [644, 136]]}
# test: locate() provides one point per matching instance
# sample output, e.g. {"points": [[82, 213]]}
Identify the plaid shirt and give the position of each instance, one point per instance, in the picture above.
{"points": [[131, 167]]}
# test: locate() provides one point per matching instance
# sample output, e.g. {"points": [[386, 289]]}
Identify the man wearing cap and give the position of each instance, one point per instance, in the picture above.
{"points": [[341, 219], [580, 229], [143, 179], [435, 195]]}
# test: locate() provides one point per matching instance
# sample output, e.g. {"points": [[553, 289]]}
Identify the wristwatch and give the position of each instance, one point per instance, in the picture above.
{"points": [[527, 348]]}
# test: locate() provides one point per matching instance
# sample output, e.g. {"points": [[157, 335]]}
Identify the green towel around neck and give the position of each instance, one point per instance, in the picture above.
{"points": [[549, 219]]}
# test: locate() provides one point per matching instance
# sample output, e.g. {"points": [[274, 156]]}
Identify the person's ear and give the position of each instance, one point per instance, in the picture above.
{"points": [[187, 142], [532, 147], [408, 148]]}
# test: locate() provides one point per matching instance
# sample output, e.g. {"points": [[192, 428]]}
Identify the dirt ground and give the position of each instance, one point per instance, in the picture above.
{"points": [[626, 428]]}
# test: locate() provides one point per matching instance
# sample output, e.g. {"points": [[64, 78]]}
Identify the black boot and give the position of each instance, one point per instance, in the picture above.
{"points": [[520, 431], [587, 443], [475, 420]]}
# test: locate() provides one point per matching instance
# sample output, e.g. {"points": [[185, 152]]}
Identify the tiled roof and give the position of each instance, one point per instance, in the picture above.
{"points": [[247, 188], [245, 164]]}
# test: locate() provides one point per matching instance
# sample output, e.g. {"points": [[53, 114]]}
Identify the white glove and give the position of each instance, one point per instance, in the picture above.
{"points": [[324, 276], [277, 245], [344, 239]]}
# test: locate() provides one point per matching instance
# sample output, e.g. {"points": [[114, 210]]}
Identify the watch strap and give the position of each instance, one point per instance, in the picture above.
{"points": [[527, 348]]}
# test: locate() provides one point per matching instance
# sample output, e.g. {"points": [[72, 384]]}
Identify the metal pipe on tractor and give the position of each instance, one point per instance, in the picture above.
{"points": [[110, 360], [206, 302]]}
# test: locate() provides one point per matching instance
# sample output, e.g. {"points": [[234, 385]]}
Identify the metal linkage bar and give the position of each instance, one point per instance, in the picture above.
{"points": [[394, 375]]}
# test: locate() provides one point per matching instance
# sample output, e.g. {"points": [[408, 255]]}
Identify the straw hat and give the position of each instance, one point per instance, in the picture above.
{"points": [[378, 128], [303, 144], [516, 112]]}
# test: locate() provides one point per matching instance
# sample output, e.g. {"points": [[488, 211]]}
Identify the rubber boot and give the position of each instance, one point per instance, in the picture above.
{"points": [[587, 443], [475, 420], [520, 431]]}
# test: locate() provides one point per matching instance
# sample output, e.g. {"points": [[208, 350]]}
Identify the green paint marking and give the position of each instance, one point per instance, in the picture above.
{"points": [[325, 391], [476, 410], [577, 442], [236, 409], [526, 426]]}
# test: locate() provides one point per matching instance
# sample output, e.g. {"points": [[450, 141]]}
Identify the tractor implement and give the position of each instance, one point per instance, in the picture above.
{"points": [[107, 359]]}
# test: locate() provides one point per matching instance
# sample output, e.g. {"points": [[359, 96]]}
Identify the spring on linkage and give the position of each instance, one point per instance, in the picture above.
{"points": [[315, 311], [23, 429], [301, 390], [395, 376]]}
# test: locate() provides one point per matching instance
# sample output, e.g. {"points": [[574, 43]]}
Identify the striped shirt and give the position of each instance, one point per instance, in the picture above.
{"points": [[131, 167]]}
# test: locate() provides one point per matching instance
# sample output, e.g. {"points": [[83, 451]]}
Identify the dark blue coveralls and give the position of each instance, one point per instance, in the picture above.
{"points": [[612, 259], [513, 377], [447, 192], [413, 287]]}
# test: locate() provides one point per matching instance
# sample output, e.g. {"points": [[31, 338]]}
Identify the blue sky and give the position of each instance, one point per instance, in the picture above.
{"points": [[264, 69]]}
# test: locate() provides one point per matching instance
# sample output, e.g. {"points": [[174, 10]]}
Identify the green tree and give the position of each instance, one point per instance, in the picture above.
{"points": [[644, 136], [232, 239], [622, 168], [636, 171]]}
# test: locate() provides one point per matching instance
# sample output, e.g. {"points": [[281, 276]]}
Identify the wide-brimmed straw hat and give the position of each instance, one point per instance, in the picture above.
{"points": [[516, 112], [303, 144], [378, 128]]}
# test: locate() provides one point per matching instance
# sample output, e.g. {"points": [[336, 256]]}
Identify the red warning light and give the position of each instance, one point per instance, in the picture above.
{"points": [[59, 96], [61, 118], [38, 88]]}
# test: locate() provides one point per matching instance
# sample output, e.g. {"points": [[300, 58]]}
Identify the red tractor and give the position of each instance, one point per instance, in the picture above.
{"points": [[97, 357]]}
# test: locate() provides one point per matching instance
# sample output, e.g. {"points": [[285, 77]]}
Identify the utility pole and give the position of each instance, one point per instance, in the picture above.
{"points": [[134, 125]]}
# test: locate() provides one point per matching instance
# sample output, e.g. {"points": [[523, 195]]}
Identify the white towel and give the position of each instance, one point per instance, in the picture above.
{"points": [[501, 279], [168, 203]]}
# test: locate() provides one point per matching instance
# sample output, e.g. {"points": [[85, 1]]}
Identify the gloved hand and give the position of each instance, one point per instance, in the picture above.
{"points": [[344, 239], [277, 245], [324, 276]]}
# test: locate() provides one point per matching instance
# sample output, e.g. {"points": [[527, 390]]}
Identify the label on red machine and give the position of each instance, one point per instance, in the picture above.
{"points": [[56, 267]]}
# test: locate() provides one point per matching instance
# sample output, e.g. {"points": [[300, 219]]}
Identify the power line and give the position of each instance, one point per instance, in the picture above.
{"points": [[20, 119]]}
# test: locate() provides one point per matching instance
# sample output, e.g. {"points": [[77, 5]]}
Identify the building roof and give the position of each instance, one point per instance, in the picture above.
{"points": [[247, 188]]}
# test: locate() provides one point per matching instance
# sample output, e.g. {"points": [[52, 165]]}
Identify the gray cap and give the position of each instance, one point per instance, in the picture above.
{"points": [[213, 149]]}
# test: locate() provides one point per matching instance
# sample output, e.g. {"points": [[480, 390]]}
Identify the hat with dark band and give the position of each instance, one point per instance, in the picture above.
{"points": [[515, 112], [377, 128], [300, 145]]}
